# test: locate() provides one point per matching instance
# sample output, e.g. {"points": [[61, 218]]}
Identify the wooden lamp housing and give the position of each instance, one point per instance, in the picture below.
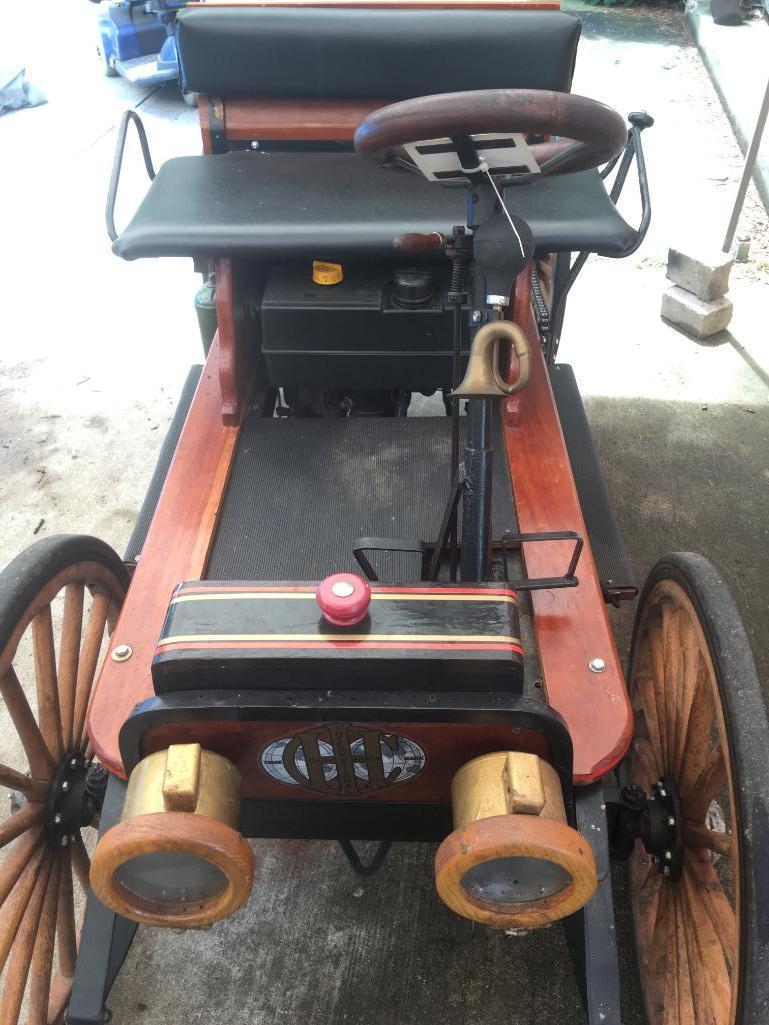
{"points": [[176, 858]]}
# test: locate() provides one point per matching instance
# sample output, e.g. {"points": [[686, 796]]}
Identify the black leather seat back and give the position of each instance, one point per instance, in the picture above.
{"points": [[343, 53]]}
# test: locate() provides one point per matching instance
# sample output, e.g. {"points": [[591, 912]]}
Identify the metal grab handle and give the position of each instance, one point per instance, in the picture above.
{"points": [[117, 164], [634, 148]]}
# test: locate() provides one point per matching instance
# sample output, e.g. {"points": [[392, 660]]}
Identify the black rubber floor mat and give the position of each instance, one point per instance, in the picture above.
{"points": [[303, 490]]}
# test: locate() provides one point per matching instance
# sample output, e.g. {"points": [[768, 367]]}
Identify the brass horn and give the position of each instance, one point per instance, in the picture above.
{"points": [[482, 378]]}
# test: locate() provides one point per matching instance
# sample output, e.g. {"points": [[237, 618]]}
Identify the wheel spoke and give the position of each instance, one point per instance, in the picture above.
{"points": [[61, 988], [42, 957], [647, 761], [714, 970], [672, 1002], [80, 861], [648, 706], [656, 648], [705, 892], [69, 656], [697, 835], [685, 986], [655, 956], [706, 786], [650, 887], [17, 859], [15, 906], [700, 994], [40, 761], [89, 657], [27, 816], [48, 711], [685, 694], [698, 733], [673, 671], [65, 924], [23, 947], [34, 789]]}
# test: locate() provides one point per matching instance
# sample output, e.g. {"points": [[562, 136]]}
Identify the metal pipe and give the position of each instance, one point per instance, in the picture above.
{"points": [[747, 172], [476, 500]]}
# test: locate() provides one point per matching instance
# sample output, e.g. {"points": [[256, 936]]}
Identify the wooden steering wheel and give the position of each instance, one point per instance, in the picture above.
{"points": [[588, 132]]}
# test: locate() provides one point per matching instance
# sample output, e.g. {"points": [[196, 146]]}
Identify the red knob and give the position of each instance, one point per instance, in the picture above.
{"points": [[344, 598]]}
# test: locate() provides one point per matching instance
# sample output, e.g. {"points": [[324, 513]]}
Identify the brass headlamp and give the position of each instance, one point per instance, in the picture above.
{"points": [[512, 861], [176, 857]]}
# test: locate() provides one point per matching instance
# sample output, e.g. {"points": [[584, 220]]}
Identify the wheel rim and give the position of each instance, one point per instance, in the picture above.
{"points": [[47, 671], [687, 931]]}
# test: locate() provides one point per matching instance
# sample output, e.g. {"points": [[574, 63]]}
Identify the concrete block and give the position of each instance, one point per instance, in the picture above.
{"points": [[701, 319], [704, 274]]}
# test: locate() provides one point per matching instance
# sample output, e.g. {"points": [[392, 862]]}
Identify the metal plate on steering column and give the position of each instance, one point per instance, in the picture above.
{"points": [[504, 153]]}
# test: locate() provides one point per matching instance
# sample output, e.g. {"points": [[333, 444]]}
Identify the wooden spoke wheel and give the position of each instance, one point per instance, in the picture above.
{"points": [[58, 602], [702, 746]]}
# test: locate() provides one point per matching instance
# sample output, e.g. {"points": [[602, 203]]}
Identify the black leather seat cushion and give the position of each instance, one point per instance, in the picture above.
{"points": [[382, 54], [338, 206]]}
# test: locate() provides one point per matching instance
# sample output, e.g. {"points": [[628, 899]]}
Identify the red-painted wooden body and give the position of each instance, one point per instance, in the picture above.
{"points": [[571, 625]]}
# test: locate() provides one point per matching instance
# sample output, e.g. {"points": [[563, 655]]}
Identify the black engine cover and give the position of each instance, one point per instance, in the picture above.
{"points": [[378, 328]]}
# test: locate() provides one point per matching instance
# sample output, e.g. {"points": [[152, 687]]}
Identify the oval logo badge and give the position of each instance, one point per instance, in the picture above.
{"points": [[343, 760]]}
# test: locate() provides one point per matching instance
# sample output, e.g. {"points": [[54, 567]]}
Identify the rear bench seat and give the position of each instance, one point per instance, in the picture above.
{"points": [[284, 204]]}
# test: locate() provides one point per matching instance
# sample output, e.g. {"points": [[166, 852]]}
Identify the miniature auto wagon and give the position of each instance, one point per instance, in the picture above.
{"points": [[365, 598]]}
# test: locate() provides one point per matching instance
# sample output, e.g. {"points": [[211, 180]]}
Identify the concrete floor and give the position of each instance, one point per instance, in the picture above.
{"points": [[735, 56], [94, 352]]}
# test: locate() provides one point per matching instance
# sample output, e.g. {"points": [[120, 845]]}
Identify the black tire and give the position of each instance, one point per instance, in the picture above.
{"points": [[58, 653], [747, 731], [24, 577]]}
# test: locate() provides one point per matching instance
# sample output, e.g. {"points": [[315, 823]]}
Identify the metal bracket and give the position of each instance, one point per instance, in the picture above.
{"points": [[357, 865], [387, 544], [569, 579]]}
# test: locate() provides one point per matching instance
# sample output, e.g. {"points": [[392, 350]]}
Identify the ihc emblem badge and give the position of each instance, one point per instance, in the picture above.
{"points": [[343, 760]]}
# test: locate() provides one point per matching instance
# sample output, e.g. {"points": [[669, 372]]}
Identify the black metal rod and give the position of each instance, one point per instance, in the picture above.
{"points": [[456, 376], [476, 499], [373, 866], [444, 532], [117, 164]]}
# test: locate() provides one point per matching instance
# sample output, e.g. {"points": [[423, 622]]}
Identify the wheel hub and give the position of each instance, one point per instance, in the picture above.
{"points": [[655, 819], [74, 800]]}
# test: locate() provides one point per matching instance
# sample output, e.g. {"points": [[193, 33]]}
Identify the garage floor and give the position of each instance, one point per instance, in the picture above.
{"points": [[94, 352]]}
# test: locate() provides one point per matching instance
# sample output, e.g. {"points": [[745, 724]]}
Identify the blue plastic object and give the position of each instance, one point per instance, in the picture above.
{"points": [[138, 39]]}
